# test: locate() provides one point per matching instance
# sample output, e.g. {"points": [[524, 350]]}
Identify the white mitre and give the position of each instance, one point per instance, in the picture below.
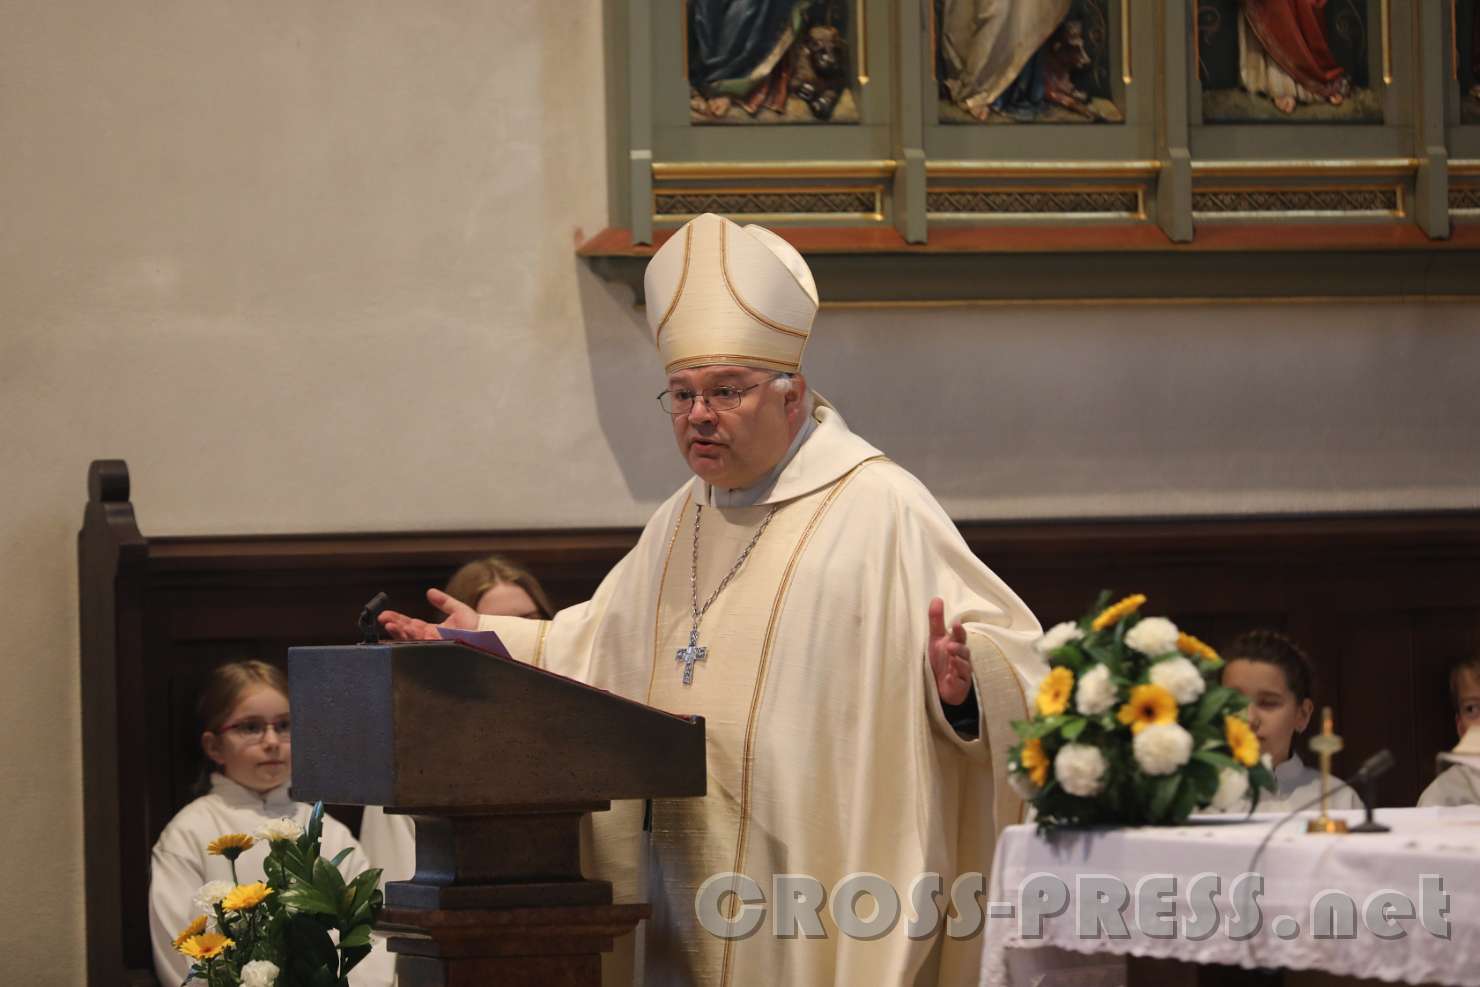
{"points": [[722, 293]]}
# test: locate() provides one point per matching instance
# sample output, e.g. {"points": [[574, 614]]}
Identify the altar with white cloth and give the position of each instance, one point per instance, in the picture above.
{"points": [[1402, 906]]}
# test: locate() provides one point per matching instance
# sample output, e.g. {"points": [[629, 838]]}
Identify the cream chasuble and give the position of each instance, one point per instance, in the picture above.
{"points": [[828, 752]]}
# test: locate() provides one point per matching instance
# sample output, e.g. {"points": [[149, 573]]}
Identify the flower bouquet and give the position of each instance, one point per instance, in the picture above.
{"points": [[1131, 726], [277, 933]]}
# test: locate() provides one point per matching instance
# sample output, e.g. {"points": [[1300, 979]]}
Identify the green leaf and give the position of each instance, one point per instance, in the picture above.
{"points": [[1213, 702], [352, 956], [1202, 782], [1187, 800], [365, 886], [1216, 760], [309, 946], [1074, 728], [326, 878], [1069, 656], [358, 936], [1163, 792], [307, 898], [315, 829], [298, 861], [339, 857]]}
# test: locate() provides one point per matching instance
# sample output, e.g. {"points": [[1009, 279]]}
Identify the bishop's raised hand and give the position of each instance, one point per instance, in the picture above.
{"points": [[399, 627], [949, 657]]}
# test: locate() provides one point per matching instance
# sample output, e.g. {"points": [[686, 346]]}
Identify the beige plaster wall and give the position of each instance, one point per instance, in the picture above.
{"points": [[309, 267]]}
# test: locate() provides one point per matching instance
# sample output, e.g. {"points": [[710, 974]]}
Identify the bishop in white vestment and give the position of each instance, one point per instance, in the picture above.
{"points": [[793, 611]]}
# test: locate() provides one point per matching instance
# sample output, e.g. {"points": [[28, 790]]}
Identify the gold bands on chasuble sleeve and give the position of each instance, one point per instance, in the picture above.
{"points": [[747, 756], [1002, 700], [539, 645], [663, 581]]}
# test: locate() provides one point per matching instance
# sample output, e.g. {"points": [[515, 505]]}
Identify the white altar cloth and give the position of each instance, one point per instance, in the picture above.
{"points": [[1296, 868]]}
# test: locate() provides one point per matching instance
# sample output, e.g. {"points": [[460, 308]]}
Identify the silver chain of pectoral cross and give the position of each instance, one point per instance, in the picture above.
{"points": [[694, 652]]}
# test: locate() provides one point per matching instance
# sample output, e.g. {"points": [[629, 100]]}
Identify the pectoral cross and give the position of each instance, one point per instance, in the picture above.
{"points": [[690, 655], [1325, 744]]}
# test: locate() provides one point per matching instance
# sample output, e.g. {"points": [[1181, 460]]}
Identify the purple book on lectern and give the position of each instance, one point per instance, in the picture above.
{"points": [[482, 640]]}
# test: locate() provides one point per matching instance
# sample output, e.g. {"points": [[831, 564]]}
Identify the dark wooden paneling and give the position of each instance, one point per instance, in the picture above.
{"points": [[1383, 603]]}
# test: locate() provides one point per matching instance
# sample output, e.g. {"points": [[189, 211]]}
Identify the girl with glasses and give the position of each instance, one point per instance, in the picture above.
{"points": [[246, 736]]}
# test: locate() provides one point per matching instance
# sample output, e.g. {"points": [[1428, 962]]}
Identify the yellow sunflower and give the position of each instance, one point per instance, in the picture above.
{"points": [[1193, 648], [245, 896], [230, 845], [1149, 706], [1035, 762], [1054, 692], [206, 946], [190, 931], [1241, 740], [1112, 614]]}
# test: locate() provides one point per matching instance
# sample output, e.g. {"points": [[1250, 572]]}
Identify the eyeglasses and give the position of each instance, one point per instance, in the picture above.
{"points": [[680, 400], [254, 730]]}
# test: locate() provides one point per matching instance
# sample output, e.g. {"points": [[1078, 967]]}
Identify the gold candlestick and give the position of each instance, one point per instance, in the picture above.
{"points": [[1325, 744]]}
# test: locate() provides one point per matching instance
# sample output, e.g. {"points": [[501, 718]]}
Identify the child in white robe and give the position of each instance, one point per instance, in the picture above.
{"points": [[1277, 677], [247, 738], [1459, 784], [494, 585]]}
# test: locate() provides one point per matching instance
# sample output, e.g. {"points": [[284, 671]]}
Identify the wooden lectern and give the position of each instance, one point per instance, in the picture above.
{"points": [[497, 761]]}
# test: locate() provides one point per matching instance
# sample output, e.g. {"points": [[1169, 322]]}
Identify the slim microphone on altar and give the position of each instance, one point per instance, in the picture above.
{"points": [[1373, 768], [370, 619]]}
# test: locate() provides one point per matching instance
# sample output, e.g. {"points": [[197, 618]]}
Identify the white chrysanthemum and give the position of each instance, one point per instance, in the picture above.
{"points": [[1096, 692], [259, 973], [1058, 636], [1267, 761], [1233, 785], [1180, 677], [1023, 785], [280, 829], [1153, 637], [1162, 749], [1080, 768], [208, 894]]}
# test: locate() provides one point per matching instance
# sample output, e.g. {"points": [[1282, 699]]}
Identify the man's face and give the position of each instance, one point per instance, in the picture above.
{"points": [[734, 448]]}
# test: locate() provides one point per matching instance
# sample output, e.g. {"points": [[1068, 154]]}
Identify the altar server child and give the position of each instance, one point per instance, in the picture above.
{"points": [[1278, 678], [1459, 784], [493, 585], [247, 741]]}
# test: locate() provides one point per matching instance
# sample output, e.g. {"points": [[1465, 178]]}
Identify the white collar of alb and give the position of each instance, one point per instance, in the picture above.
{"points": [[276, 801], [1288, 773]]}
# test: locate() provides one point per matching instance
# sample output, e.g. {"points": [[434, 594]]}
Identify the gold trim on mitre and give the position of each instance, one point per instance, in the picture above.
{"points": [[721, 293]]}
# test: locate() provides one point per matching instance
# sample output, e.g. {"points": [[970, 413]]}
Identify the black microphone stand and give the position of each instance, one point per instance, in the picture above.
{"points": [[369, 619], [1369, 799]]}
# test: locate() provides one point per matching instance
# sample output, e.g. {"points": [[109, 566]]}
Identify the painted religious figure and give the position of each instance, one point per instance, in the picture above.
{"points": [[770, 61], [1023, 61], [1277, 60]]}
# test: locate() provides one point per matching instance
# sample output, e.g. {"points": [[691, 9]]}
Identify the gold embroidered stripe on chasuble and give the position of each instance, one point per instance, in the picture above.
{"points": [[738, 632]]}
